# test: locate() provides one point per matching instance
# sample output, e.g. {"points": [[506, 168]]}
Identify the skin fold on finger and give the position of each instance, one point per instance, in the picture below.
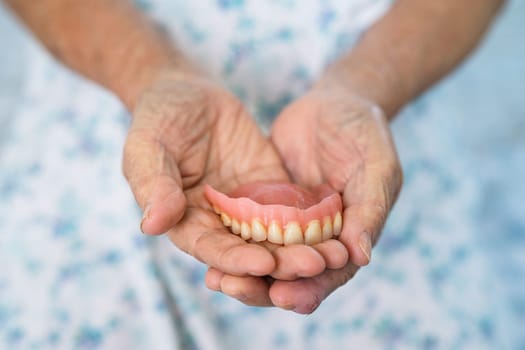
{"points": [[305, 295], [249, 290], [201, 234]]}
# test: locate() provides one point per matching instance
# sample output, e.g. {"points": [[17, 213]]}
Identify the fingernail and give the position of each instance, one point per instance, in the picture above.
{"points": [[145, 216], [365, 243]]}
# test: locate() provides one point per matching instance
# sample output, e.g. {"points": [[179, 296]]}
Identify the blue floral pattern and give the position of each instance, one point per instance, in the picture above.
{"points": [[77, 274]]}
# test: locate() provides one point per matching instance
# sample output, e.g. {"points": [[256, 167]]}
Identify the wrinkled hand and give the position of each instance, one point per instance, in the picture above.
{"points": [[187, 132], [345, 141]]}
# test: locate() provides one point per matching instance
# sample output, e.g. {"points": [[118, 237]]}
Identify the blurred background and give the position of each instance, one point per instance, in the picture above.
{"points": [[483, 104], [482, 108]]}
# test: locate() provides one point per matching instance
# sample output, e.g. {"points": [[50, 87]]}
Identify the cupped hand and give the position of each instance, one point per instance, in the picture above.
{"points": [[187, 132], [334, 137], [344, 140]]}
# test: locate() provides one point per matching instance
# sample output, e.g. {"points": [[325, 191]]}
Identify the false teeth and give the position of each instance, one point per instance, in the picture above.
{"points": [[309, 219]]}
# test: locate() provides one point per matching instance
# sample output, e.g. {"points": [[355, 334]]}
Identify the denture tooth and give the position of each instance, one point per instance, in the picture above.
{"points": [[293, 234], [236, 226], [246, 231], [275, 233], [338, 224], [327, 228], [258, 231], [226, 220], [313, 234], [216, 209]]}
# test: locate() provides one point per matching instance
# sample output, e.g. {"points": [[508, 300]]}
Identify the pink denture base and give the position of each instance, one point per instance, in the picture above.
{"points": [[263, 201]]}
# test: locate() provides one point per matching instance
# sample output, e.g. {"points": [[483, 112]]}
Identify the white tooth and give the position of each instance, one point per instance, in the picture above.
{"points": [[246, 231], [216, 209], [313, 235], [236, 226], [327, 228], [226, 219], [293, 234], [275, 233], [258, 231], [338, 224]]}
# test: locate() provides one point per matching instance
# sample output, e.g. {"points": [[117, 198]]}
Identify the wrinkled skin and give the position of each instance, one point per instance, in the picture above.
{"points": [[341, 139], [187, 132]]}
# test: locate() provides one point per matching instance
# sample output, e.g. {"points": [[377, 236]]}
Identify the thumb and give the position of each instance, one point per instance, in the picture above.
{"points": [[155, 181], [368, 202]]}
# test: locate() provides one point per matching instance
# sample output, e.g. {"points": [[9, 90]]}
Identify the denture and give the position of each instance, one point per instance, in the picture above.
{"points": [[281, 213]]}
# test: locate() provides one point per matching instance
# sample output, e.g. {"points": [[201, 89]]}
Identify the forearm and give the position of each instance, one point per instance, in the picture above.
{"points": [[410, 48], [110, 42]]}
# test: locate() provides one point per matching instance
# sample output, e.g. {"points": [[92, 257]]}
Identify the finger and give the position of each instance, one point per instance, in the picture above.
{"points": [[213, 279], [305, 295], [155, 181], [295, 261], [358, 235], [298, 261], [201, 234], [367, 207], [249, 290], [333, 252]]}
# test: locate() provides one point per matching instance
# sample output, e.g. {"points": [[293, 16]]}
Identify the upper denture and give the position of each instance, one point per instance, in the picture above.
{"points": [[281, 213]]}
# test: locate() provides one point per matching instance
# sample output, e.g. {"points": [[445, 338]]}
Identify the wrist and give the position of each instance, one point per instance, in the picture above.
{"points": [[347, 99], [376, 83], [145, 70]]}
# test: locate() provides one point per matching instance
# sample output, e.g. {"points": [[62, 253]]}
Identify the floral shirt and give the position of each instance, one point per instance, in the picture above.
{"points": [[76, 273]]}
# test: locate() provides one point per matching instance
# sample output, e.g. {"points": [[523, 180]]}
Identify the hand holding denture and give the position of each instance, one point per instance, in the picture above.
{"points": [[188, 132], [344, 141]]}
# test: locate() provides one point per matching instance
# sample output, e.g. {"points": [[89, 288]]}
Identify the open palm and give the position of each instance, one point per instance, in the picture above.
{"points": [[190, 132], [343, 140], [186, 133]]}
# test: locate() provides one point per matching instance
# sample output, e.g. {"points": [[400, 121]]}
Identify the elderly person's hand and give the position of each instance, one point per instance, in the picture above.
{"points": [[338, 132], [332, 136], [187, 132], [344, 140]]}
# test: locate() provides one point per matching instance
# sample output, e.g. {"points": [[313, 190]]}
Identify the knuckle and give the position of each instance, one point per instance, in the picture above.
{"points": [[226, 255], [132, 151], [196, 248]]}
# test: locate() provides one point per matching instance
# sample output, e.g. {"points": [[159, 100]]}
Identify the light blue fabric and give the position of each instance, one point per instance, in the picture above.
{"points": [[76, 273]]}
